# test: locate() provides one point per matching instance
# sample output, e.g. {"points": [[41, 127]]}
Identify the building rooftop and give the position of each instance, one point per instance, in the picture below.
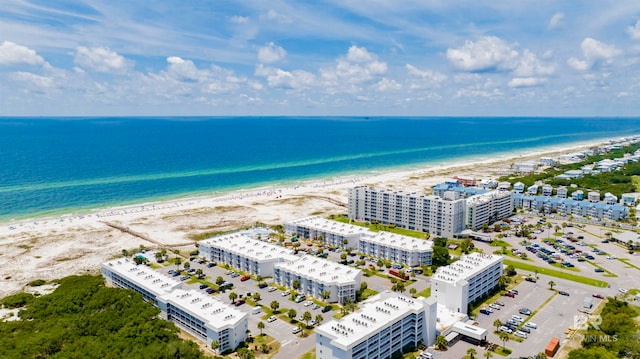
{"points": [[321, 270], [325, 225], [372, 317], [486, 197], [251, 248], [145, 277], [466, 267], [398, 241], [210, 310]]}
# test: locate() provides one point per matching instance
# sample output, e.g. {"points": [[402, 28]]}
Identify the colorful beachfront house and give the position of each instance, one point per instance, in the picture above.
{"points": [[593, 196], [565, 207], [629, 199], [547, 190], [532, 190], [608, 165], [505, 186], [610, 198], [518, 187], [561, 192], [457, 188], [577, 195]]}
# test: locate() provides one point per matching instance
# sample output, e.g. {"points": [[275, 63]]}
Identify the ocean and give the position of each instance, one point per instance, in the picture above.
{"points": [[60, 165]]}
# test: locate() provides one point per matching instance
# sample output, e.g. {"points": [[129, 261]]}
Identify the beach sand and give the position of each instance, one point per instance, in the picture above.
{"points": [[50, 248]]}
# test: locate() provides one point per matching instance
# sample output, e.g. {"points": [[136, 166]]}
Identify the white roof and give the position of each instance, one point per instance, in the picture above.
{"points": [[321, 270], [447, 317], [470, 330], [487, 197], [388, 239], [466, 267], [145, 277], [371, 318], [213, 312], [249, 248], [321, 224]]}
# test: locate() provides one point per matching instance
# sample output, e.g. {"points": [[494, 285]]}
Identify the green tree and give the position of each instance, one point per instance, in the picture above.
{"points": [[325, 294], [295, 284], [551, 284], [487, 354], [471, 352], [275, 305], [233, 296], [178, 262], [505, 338], [413, 291], [319, 318], [256, 297], [215, 345], [510, 270], [306, 316], [441, 256], [260, 326], [441, 342], [497, 323], [292, 313], [187, 265], [503, 281], [219, 280]]}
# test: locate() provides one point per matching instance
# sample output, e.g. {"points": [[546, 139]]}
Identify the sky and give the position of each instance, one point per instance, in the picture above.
{"points": [[319, 58]]}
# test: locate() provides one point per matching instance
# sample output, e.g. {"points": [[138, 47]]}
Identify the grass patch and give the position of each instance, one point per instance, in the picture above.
{"points": [[500, 243], [381, 227], [424, 293], [626, 261], [37, 283], [368, 293], [503, 351], [309, 355], [636, 182], [557, 274]]}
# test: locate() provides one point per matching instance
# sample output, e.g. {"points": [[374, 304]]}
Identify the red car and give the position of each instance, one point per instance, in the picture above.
{"points": [[599, 296], [244, 278], [509, 294]]}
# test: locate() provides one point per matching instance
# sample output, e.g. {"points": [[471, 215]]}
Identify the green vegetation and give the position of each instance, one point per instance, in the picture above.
{"points": [[616, 336], [376, 227], [425, 293], [84, 319], [37, 283], [557, 273]]}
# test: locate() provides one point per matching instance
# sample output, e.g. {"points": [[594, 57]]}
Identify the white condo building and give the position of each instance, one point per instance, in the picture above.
{"points": [[407, 250], [332, 233], [317, 275], [418, 212], [466, 280], [384, 325], [203, 316], [397, 248], [488, 207], [245, 253]]}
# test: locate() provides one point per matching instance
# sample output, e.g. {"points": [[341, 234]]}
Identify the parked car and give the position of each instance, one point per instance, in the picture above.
{"points": [[525, 311], [272, 289], [505, 329], [239, 302], [262, 285], [531, 325], [598, 295], [286, 293], [272, 318], [244, 278], [562, 292], [525, 330], [296, 330], [500, 303], [599, 270], [520, 334], [484, 311], [203, 286], [315, 306], [326, 309], [509, 294], [623, 291]]}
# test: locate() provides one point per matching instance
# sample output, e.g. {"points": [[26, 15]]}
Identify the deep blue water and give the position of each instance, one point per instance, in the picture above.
{"points": [[64, 164]]}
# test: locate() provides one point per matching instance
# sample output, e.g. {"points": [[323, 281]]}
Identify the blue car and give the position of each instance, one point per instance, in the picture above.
{"points": [[484, 311]]}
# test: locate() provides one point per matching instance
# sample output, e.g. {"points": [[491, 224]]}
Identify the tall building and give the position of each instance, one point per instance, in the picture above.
{"points": [[487, 208], [245, 253], [409, 251], [384, 325], [317, 275], [466, 280], [205, 317], [424, 213]]}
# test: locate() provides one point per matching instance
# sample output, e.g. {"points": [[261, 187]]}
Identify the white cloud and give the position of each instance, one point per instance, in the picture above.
{"points": [[184, 69], [271, 53], [38, 81], [489, 53], [359, 65], [424, 79], [278, 78], [594, 52], [518, 82], [386, 84], [634, 31], [101, 59], [14, 54], [239, 19], [529, 65], [276, 16], [556, 21]]}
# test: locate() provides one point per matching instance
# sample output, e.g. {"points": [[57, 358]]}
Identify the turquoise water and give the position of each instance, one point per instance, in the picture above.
{"points": [[57, 165]]}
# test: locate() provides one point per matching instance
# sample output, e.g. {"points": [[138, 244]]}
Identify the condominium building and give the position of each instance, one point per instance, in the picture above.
{"points": [[332, 233], [205, 317], [466, 280], [317, 275], [423, 213], [565, 207], [245, 253], [384, 325], [397, 248], [394, 247], [487, 208]]}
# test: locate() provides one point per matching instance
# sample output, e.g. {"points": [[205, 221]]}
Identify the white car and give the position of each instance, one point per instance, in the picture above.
{"points": [[286, 293], [531, 325], [505, 329], [520, 334], [296, 330], [494, 306], [272, 289], [622, 290], [308, 303], [611, 257], [272, 319]]}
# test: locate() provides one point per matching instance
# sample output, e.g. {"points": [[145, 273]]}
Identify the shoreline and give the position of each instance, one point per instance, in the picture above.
{"points": [[58, 246], [418, 168]]}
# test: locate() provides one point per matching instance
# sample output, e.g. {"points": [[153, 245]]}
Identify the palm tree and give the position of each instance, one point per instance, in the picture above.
{"points": [[292, 313], [488, 354], [274, 305], [319, 318], [187, 265], [413, 291], [260, 326], [199, 272], [256, 296], [497, 323], [503, 281], [306, 316], [232, 297], [215, 345], [325, 294], [158, 257], [551, 284], [441, 342], [295, 284], [178, 262], [471, 352], [219, 280], [505, 338]]}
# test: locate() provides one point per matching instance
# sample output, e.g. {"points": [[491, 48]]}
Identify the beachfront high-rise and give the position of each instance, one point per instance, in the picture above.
{"points": [[487, 208], [424, 213], [205, 317], [465, 280], [384, 325], [245, 253], [406, 250], [317, 275]]}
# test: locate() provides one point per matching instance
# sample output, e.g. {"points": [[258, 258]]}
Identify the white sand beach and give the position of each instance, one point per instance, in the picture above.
{"points": [[49, 248]]}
